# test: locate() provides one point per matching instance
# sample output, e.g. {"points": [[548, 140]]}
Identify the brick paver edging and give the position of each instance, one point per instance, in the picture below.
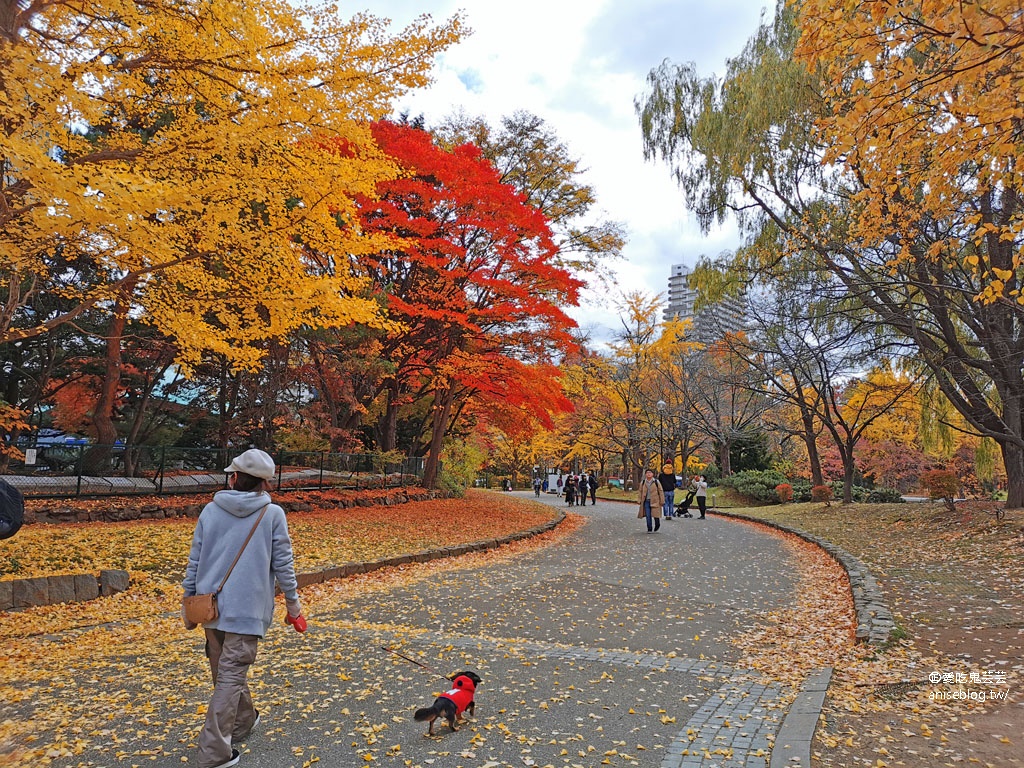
{"points": [[874, 619], [349, 569]]}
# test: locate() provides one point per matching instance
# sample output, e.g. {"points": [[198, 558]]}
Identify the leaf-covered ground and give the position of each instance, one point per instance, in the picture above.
{"points": [[956, 586], [49, 654]]}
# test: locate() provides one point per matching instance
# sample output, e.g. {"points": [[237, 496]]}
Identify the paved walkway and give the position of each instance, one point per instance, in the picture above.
{"points": [[611, 647]]}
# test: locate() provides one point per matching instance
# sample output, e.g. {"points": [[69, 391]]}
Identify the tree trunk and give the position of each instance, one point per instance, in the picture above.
{"points": [[1013, 460], [725, 462], [389, 429], [442, 409], [849, 468], [811, 441], [97, 458]]}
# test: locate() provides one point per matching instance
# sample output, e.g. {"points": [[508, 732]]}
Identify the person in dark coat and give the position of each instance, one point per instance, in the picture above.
{"points": [[592, 482], [570, 490], [667, 478]]}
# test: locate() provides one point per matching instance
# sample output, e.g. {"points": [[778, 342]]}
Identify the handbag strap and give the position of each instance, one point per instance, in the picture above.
{"points": [[244, 545]]}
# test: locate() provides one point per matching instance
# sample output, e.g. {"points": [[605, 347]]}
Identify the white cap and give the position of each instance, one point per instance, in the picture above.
{"points": [[253, 462]]}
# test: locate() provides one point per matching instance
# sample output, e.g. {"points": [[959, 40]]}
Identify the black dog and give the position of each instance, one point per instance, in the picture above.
{"points": [[451, 704]]}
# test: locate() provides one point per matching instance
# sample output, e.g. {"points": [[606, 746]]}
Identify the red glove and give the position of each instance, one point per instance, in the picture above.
{"points": [[299, 622]]}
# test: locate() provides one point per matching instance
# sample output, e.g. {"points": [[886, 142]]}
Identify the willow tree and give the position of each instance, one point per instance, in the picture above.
{"points": [[884, 149]]}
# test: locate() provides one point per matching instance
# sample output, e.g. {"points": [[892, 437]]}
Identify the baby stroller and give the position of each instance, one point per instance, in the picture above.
{"points": [[683, 507]]}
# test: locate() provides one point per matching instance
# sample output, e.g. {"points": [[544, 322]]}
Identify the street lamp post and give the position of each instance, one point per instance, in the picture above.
{"points": [[661, 431]]}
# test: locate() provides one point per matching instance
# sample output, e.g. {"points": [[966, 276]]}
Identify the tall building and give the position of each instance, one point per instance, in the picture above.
{"points": [[711, 322]]}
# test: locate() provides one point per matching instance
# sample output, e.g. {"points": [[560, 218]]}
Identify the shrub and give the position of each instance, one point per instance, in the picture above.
{"points": [[451, 484], [784, 492], [758, 485], [801, 490], [885, 496], [857, 492], [942, 484], [821, 493]]}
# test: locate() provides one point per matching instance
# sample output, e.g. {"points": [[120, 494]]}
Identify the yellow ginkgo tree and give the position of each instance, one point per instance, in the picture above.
{"points": [[169, 158]]}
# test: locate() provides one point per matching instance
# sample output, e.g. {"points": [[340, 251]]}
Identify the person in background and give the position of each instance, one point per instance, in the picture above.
{"points": [[667, 478], [652, 501], [570, 490], [246, 603], [700, 490], [592, 482]]}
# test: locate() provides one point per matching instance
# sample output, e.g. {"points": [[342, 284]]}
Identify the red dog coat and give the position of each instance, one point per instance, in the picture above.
{"points": [[462, 694]]}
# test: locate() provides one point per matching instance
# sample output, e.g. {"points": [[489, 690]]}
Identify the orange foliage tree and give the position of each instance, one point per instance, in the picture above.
{"points": [[470, 285]]}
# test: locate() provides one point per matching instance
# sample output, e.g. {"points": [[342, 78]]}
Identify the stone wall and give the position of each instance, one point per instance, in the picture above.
{"points": [[51, 590]]}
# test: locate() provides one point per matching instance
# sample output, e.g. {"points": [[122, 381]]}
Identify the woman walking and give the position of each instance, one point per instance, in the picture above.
{"points": [[241, 549], [652, 501]]}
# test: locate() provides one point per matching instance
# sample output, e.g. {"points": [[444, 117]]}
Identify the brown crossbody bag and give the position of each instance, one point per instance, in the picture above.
{"points": [[202, 609]]}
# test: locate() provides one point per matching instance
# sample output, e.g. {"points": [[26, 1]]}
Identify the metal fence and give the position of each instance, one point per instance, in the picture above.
{"points": [[60, 471]]}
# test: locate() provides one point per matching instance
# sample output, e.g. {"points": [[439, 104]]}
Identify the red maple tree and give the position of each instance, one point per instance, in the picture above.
{"points": [[470, 277]]}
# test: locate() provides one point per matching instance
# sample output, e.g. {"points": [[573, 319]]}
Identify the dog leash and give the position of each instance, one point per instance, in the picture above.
{"points": [[418, 664]]}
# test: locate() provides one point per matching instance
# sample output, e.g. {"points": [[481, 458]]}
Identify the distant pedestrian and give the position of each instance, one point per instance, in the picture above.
{"points": [[536, 486], [652, 500], [582, 485], [667, 478], [560, 484], [570, 490], [700, 492], [245, 601], [592, 483]]}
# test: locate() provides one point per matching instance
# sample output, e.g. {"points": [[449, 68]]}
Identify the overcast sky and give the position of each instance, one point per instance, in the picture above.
{"points": [[579, 64]]}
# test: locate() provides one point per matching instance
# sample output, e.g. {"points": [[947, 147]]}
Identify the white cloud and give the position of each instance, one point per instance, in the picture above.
{"points": [[580, 65]]}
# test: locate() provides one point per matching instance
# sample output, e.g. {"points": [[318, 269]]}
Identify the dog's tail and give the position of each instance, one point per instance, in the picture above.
{"points": [[426, 713]]}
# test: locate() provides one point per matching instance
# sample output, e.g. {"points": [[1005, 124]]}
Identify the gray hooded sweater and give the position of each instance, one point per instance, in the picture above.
{"points": [[246, 604]]}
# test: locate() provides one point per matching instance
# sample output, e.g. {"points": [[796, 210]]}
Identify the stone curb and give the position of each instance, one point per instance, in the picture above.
{"points": [[874, 619], [18, 594], [424, 556], [793, 743], [49, 590]]}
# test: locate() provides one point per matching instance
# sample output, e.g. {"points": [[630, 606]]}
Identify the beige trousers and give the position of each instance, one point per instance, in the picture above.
{"points": [[230, 715]]}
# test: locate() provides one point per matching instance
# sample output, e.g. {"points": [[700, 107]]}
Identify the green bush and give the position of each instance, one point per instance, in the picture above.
{"points": [[801, 490], [858, 493], [885, 496], [755, 484], [450, 484]]}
